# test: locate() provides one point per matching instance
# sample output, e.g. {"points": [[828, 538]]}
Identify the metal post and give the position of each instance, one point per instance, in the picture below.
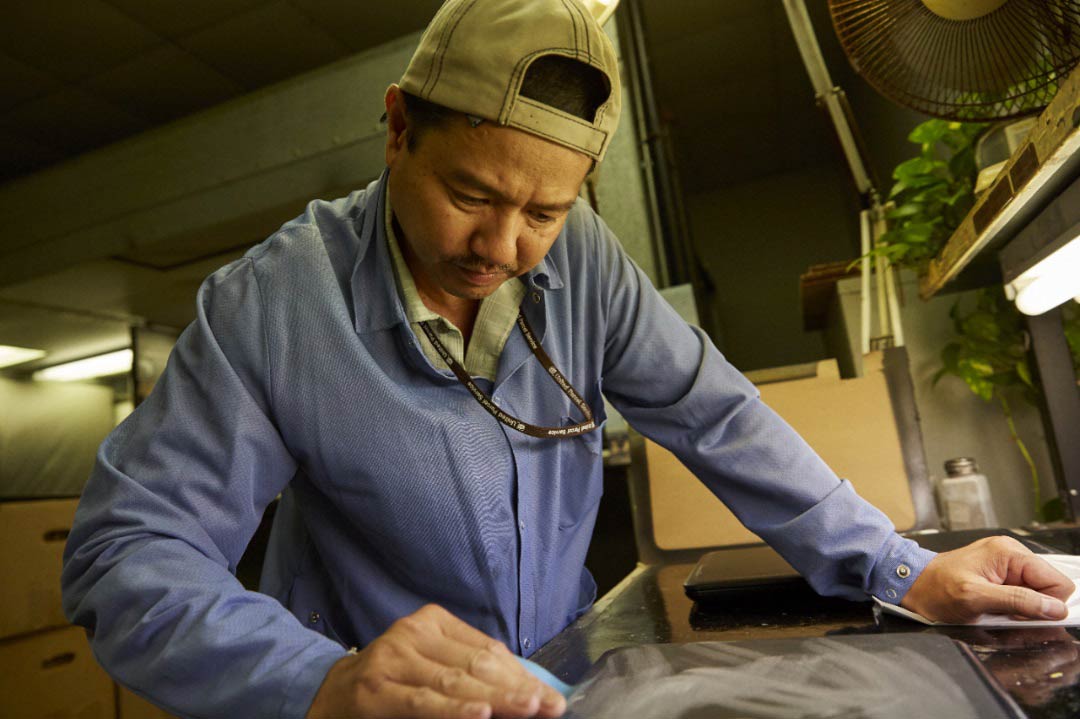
{"points": [[1061, 413]]}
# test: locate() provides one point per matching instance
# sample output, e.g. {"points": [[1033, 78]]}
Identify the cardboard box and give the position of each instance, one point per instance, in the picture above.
{"points": [[132, 706], [53, 674], [32, 538], [849, 423]]}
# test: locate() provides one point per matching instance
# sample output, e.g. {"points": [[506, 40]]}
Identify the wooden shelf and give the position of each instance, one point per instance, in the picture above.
{"points": [[1047, 161]]}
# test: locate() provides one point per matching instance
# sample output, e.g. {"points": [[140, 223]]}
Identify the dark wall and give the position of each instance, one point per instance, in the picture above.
{"points": [[766, 186]]}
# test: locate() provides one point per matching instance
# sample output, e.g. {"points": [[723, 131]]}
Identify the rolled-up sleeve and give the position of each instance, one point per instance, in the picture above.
{"points": [[672, 385], [176, 494]]}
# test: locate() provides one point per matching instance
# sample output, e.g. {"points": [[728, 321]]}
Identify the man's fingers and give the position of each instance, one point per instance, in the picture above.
{"points": [[493, 663], [447, 655], [461, 645], [1020, 601], [510, 689], [399, 700], [1033, 571], [418, 670]]}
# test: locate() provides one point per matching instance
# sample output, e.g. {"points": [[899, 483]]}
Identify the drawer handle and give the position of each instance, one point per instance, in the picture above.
{"points": [[57, 535], [59, 660]]}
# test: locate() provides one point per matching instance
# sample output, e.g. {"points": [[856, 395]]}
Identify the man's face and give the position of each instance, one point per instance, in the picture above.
{"points": [[476, 205]]}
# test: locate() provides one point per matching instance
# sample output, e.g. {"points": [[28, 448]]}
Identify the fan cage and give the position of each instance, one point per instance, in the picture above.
{"points": [[1005, 64]]}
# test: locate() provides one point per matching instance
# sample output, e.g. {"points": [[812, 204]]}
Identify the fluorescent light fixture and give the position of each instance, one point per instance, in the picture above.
{"points": [[1050, 282], [11, 355], [98, 366]]}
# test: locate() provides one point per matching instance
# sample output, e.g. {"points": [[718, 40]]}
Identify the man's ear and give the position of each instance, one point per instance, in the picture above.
{"points": [[396, 123]]}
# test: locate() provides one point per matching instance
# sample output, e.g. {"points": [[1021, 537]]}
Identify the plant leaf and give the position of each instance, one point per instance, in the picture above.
{"points": [[930, 132], [982, 387], [1024, 372], [906, 210]]}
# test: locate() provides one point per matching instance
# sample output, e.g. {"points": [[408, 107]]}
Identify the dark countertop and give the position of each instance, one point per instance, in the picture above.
{"points": [[1038, 667]]}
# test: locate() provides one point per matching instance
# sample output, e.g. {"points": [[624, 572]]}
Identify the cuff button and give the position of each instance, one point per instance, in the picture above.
{"points": [[903, 571]]}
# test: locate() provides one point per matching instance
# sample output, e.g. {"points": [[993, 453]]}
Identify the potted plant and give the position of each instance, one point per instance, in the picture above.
{"points": [[931, 195]]}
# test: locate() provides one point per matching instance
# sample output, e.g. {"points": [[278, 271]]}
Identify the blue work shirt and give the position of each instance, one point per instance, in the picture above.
{"points": [[301, 376]]}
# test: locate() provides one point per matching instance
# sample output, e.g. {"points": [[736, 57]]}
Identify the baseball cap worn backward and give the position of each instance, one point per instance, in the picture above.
{"points": [[474, 54]]}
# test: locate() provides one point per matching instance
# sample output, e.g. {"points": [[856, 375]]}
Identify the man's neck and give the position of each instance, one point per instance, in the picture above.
{"points": [[461, 312]]}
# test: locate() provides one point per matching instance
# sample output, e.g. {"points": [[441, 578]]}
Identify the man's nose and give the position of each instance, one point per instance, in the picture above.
{"points": [[495, 239]]}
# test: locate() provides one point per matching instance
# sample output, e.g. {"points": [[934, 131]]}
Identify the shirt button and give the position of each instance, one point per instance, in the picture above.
{"points": [[521, 525], [890, 593], [903, 571], [314, 617], [527, 643], [536, 297]]}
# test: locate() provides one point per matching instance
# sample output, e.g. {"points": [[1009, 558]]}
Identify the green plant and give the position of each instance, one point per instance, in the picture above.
{"points": [[932, 192], [991, 355]]}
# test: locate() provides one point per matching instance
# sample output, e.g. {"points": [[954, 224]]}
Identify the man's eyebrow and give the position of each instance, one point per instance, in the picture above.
{"points": [[465, 177]]}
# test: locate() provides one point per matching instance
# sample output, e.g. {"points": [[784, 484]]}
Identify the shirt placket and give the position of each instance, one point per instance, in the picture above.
{"points": [[529, 546]]}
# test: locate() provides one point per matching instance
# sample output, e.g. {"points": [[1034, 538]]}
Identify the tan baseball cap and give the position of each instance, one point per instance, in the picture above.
{"points": [[474, 54]]}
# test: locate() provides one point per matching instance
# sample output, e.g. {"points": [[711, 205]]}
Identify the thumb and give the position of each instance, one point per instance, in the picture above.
{"points": [[993, 598]]}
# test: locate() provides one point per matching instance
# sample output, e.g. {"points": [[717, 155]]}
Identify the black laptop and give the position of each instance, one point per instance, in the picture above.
{"points": [[758, 568]]}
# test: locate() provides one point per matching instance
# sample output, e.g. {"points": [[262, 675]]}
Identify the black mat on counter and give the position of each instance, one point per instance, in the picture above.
{"points": [[739, 570], [880, 676]]}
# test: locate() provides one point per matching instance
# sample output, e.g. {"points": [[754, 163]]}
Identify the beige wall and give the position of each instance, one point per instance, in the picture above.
{"points": [[49, 434], [956, 423]]}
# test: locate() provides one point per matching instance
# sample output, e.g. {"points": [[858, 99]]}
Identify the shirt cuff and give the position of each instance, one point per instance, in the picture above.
{"points": [[899, 564], [305, 685]]}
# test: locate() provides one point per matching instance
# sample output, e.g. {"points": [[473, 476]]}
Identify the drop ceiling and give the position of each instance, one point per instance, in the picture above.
{"points": [[80, 75]]}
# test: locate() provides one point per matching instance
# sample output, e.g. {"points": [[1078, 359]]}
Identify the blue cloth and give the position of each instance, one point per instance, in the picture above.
{"points": [[547, 677], [301, 376]]}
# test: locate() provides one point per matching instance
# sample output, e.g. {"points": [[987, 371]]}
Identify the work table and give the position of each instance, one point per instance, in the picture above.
{"points": [[1038, 667]]}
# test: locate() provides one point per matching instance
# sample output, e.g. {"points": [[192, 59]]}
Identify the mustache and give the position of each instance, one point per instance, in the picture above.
{"points": [[476, 263]]}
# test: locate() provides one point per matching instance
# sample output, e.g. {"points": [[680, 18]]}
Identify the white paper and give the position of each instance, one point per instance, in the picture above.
{"points": [[1067, 564]]}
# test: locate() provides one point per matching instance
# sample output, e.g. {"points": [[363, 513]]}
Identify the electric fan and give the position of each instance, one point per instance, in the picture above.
{"points": [[968, 60]]}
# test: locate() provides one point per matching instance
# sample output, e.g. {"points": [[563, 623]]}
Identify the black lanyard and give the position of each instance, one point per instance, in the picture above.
{"points": [[510, 421]]}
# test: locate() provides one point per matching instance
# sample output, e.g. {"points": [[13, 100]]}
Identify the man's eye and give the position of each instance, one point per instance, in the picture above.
{"points": [[542, 218], [470, 200]]}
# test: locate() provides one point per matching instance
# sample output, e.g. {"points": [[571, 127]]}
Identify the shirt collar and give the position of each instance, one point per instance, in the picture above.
{"points": [[415, 309], [544, 275], [376, 304]]}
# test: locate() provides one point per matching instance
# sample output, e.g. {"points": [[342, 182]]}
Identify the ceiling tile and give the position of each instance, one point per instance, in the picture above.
{"points": [[170, 18], [361, 25], [163, 84], [19, 82], [110, 288], [72, 120], [71, 39], [22, 156], [268, 44]]}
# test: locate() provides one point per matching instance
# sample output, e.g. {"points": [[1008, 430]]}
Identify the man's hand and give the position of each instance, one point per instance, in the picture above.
{"points": [[997, 575], [431, 665]]}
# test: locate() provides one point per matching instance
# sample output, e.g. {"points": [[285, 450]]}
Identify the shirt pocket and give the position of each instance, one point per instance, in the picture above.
{"points": [[584, 483]]}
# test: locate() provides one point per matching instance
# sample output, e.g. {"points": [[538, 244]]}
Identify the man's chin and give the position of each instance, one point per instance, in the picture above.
{"points": [[474, 293], [471, 289]]}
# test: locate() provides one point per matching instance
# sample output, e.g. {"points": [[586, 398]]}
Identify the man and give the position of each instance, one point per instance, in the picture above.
{"points": [[381, 361]]}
